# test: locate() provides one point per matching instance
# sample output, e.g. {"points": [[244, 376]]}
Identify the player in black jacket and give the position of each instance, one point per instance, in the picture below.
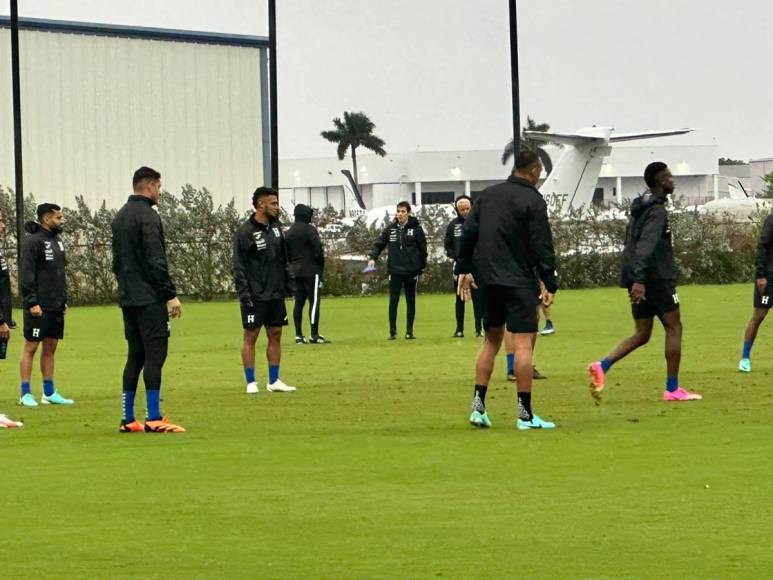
{"points": [[262, 279], [147, 297], [509, 233], [44, 300], [407, 258], [451, 244], [5, 319], [649, 273], [306, 257], [763, 292]]}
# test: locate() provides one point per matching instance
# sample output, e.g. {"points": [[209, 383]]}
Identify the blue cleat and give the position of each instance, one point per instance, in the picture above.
{"points": [[481, 420], [745, 366], [55, 399], [28, 401], [535, 423]]}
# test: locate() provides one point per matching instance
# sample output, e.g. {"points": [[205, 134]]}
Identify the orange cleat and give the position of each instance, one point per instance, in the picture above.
{"points": [[163, 426], [131, 427]]}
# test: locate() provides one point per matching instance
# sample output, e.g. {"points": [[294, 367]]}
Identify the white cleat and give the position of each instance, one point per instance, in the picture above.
{"points": [[252, 388], [6, 423], [279, 387]]}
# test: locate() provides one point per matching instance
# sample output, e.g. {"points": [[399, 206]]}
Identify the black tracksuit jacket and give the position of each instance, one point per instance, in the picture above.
{"points": [[764, 262], [261, 270], [139, 255], [43, 281], [305, 253], [6, 310], [508, 232], [452, 243], [407, 248], [648, 256]]}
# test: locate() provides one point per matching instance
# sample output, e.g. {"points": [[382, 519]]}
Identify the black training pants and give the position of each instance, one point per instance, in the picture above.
{"points": [[396, 284], [307, 288], [476, 309], [147, 333]]}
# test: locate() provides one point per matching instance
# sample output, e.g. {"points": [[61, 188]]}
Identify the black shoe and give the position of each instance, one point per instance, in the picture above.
{"points": [[459, 334], [319, 339], [300, 340], [478, 334], [409, 335], [392, 336], [537, 375]]}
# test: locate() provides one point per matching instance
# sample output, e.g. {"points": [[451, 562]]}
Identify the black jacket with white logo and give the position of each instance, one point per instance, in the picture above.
{"points": [[305, 253], [764, 262], [648, 256], [453, 242], [407, 248], [43, 281], [139, 255], [508, 232], [6, 311], [260, 262]]}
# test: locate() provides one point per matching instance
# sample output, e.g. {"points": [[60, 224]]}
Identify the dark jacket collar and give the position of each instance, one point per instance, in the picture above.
{"points": [[520, 181], [135, 197], [260, 225]]}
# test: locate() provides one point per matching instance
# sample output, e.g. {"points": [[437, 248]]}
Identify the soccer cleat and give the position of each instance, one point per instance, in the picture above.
{"points": [[55, 399], [392, 336], [597, 377], [28, 401], [300, 340], [478, 419], [162, 426], [681, 395], [536, 375], [409, 335], [511, 377], [6, 423], [252, 388], [319, 339], [279, 387], [745, 366], [536, 422], [459, 334], [548, 329], [131, 427]]}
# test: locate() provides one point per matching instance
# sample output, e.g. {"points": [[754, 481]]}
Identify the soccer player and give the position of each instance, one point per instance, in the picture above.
{"points": [[262, 279], [649, 273], [546, 311], [406, 261], [306, 257], [147, 297], [509, 227], [5, 317], [451, 243], [44, 298], [763, 292]]}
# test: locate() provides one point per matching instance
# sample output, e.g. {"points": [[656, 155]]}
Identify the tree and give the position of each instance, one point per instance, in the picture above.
{"points": [[354, 131], [728, 161], [526, 143], [768, 179]]}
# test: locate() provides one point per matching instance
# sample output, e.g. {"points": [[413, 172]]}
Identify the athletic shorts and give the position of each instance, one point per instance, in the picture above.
{"points": [[763, 300], [50, 325], [662, 298], [142, 323], [268, 313], [516, 308]]}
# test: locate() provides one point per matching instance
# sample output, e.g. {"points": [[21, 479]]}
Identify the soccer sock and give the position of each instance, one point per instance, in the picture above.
{"points": [[154, 405], [606, 364], [510, 362], [273, 374], [48, 387], [747, 348], [25, 388], [524, 406], [127, 402], [249, 374], [479, 398], [672, 384]]}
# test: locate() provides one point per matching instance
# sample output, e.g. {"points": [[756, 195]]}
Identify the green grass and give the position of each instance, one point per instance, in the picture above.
{"points": [[371, 471]]}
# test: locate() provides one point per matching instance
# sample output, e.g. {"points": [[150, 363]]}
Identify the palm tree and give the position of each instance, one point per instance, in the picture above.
{"points": [[354, 131], [526, 143]]}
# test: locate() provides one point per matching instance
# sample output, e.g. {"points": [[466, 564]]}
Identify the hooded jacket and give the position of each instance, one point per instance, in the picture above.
{"points": [[6, 311], [407, 248], [43, 281], [305, 253], [764, 262], [508, 232], [139, 255], [260, 262], [648, 256]]}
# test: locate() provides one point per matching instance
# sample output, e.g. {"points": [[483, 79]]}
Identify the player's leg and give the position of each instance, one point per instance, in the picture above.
{"points": [[477, 311], [494, 318], [547, 314], [409, 283], [301, 294], [672, 324], [47, 360], [510, 356], [135, 360], [274, 319], [395, 287], [315, 293], [535, 373], [459, 311], [249, 339], [33, 328], [758, 316]]}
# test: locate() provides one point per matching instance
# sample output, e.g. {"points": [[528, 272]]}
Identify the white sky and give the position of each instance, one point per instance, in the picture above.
{"points": [[434, 74]]}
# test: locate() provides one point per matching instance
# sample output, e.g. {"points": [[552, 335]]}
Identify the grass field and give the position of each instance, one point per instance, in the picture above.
{"points": [[371, 471]]}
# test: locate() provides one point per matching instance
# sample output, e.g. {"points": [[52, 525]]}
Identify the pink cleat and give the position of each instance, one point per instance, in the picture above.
{"points": [[681, 395], [6, 423], [597, 377]]}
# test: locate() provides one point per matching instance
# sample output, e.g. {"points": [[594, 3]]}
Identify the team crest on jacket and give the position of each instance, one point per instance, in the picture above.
{"points": [[411, 232], [276, 232], [457, 230], [260, 241], [49, 251], [393, 235]]}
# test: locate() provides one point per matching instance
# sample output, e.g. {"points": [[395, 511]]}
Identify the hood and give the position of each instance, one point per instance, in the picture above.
{"points": [[645, 201], [411, 223], [32, 227], [303, 213]]}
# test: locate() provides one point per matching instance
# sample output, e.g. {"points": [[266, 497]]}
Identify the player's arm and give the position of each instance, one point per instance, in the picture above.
{"points": [[448, 241], [240, 270], [763, 250], [317, 249], [29, 275], [541, 243], [421, 242], [155, 254], [651, 233], [379, 245], [470, 233]]}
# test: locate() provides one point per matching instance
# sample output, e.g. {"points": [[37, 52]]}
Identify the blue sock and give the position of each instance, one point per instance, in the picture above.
{"points": [[606, 364], [25, 388], [747, 348], [672, 384], [249, 374], [127, 400], [154, 407], [48, 387], [273, 373], [510, 362]]}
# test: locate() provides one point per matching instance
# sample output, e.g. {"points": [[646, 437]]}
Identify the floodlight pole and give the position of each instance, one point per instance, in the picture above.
{"points": [[17, 149], [273, 94], [515, 78]]}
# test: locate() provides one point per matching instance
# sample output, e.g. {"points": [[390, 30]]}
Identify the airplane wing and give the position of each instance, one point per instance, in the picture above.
{"points": [[648, 135], [560, 138]]}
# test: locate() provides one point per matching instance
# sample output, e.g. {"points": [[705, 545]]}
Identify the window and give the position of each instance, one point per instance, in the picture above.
{"points": [[435, 197]]}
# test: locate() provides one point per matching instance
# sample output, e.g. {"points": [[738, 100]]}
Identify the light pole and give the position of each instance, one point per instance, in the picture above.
{"points": [[17, 150], [272, 94], [515, 80]]}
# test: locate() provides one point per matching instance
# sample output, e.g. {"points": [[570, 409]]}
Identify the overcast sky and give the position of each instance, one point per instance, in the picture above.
{"points": [[434, 74]]}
